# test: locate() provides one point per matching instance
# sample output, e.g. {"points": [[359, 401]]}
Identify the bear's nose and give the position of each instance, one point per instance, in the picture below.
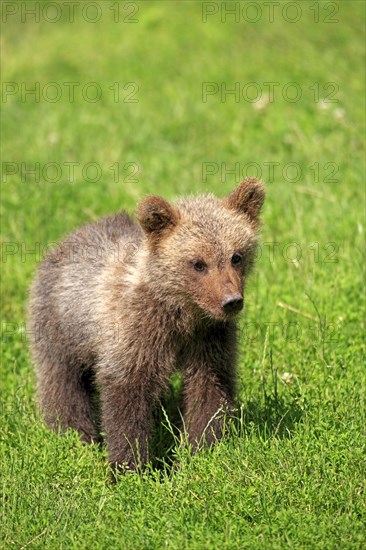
{"points": [[232, 303]]}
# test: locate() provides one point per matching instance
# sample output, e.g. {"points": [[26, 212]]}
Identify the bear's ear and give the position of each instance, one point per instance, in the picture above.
{"points": [[247, 198], [157, 216]]}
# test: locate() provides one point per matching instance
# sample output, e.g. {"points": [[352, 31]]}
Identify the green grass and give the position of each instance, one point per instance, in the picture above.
{"points": [[291, 471]]}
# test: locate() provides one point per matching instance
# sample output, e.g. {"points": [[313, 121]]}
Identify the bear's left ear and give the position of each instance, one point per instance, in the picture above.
{"points": [[247, 198], [157, 216]]}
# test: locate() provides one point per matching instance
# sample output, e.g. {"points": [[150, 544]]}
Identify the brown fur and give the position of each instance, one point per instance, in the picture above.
{"points": [[125, 305]]}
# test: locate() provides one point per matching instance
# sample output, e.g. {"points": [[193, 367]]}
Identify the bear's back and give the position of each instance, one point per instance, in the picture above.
{"points": [[95, 241], [65, 293]]}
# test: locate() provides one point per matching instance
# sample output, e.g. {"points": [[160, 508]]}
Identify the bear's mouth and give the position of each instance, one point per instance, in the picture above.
{"points": [[223, 315], [233, 313]]}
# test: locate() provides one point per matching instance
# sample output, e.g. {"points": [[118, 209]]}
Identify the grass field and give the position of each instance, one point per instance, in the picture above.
{"points": [[176, 98]]}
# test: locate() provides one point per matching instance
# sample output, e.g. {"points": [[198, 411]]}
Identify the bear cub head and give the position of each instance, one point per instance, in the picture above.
{"points": [[200, 250]]}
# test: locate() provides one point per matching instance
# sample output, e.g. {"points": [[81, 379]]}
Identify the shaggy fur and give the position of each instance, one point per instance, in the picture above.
{"points": [[121, 306]]}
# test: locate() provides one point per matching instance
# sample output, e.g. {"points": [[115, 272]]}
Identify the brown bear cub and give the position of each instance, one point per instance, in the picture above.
{"points": [[131, 303]]}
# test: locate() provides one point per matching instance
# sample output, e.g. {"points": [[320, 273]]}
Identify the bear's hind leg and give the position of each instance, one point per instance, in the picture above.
{"points": [[65, 398]]}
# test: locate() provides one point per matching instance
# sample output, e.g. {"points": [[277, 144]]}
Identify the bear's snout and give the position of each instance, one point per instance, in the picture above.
{"points": [[233, 303]]}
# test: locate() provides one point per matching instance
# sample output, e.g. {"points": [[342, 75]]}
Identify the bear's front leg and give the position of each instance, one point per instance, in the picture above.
{"points": [[127, 419], [209, 385], [131, 380]]}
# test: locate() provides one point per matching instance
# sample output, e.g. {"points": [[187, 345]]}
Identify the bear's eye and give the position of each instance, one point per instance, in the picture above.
{"points": [[199, 265], [236, 259]]}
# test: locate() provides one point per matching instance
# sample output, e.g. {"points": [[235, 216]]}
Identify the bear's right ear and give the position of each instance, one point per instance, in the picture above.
{"points": [[157, 216], [247, 198]]}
